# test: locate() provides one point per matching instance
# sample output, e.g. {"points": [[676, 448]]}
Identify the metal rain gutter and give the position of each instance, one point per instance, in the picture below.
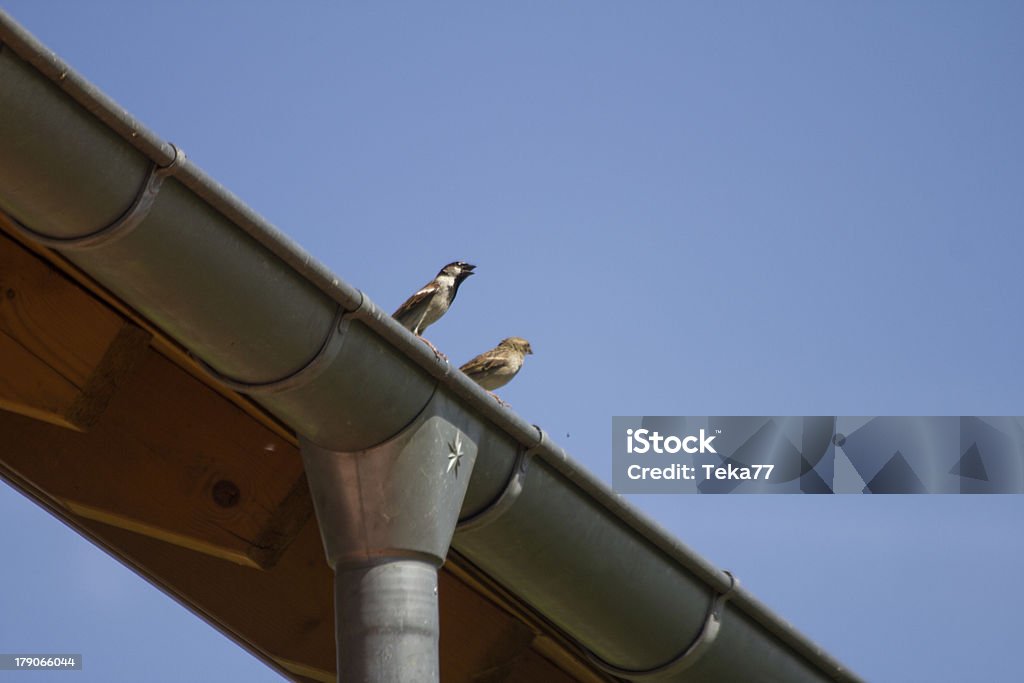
{"points": [[81, 176]]}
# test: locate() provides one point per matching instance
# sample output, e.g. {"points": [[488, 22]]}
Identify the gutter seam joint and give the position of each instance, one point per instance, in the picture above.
{"points": [[303, 375], [508, 496], [701, 644], [136, 213], [370, 314]]}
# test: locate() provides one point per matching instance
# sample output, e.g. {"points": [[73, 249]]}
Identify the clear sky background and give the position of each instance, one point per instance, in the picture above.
{"points": [[688, 209]]}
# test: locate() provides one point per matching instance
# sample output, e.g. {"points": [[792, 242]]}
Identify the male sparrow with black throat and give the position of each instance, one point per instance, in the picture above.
{"points": [[425, 307]]}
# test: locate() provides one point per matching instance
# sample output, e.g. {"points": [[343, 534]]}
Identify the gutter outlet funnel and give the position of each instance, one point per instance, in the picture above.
{"points": [[387, 515]]}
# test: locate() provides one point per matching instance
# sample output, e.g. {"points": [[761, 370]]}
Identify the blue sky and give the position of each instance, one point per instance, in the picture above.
{"points": [[687, 208]]}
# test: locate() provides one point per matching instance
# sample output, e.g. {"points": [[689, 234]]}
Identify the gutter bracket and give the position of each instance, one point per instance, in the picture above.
{"points": [[314, 366], [125, 223], [704, 640], [508, 496]]}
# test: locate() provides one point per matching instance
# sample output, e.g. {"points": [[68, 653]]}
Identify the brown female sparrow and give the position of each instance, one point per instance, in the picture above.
{"points": [[496, 368]]}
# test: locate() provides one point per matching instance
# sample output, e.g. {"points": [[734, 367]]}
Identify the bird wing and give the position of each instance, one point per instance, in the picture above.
{"points": [[415, 300], [485, 363]]}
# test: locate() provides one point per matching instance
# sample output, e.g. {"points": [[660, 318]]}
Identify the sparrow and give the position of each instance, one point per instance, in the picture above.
{"points": [[496, 368], [425, 307]]}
